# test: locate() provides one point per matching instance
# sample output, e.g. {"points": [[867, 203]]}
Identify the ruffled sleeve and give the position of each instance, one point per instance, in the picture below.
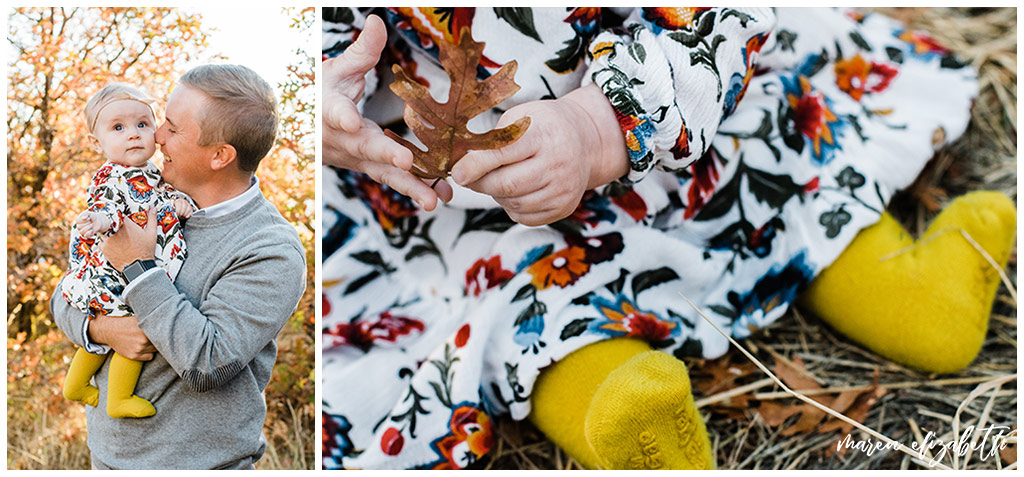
{"points": [[673, 74]]}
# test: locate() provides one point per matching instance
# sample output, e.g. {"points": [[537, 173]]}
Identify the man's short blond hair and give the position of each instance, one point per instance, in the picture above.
{"points": [[242, 111], [110, 93]]}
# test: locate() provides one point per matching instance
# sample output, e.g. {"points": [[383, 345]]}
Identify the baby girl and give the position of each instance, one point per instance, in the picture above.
{"points": [[127, 186]]}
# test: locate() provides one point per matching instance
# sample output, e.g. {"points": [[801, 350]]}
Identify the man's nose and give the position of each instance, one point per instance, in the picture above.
{"points": [[159, 136]]}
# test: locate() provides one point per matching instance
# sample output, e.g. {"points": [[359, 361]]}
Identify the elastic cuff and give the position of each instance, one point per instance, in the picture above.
{"points": [[88, 345], [633, 72]]}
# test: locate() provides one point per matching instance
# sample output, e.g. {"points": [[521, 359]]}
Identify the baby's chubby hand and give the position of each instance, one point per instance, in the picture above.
{"points": [[573, 144], [182, 209], [353, 142], [91, 223]]}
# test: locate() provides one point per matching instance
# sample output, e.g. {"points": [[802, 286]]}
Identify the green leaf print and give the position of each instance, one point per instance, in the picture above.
{"points": [[443, 390], [652, 278], [575, 328], [859, 41], [520, 18], [568, 58], [774, 190]]}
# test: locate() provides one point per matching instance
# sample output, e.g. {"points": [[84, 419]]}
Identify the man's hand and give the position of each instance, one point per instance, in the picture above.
{"points": [[573, 144], [131, 242], [353, 142], [122, 333]]}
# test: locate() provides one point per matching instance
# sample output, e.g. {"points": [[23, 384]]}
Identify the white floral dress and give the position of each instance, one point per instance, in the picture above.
{"points": [[761, 141], [121, 192]]}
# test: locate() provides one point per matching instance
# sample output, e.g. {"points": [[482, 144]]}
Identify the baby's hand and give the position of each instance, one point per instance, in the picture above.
{"points": [[356, 143], [573, 144], [183, 209], [91, 223]]}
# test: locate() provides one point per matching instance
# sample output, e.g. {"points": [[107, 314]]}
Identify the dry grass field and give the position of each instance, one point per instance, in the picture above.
{"points": [[754, 425]]}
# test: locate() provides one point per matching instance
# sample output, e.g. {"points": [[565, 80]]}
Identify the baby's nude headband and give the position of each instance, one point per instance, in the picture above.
{"points": [[111, 93]]}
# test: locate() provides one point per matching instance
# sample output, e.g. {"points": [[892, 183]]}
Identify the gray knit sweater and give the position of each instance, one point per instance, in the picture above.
{"points": [[214, 328]]}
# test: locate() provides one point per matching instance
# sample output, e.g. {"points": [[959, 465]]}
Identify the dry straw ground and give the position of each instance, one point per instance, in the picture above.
{"points": [[902, 404]]}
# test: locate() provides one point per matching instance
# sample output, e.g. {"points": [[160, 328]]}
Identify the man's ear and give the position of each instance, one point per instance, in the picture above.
{"points": [[225, 155], [95, 142]]}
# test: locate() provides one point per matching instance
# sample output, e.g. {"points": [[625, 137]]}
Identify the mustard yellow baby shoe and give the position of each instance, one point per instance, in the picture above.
{"points": [[925, 303]]}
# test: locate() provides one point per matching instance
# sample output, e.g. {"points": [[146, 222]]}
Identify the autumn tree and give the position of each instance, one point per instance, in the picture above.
{"points": [[61, 57], [286, 179]]}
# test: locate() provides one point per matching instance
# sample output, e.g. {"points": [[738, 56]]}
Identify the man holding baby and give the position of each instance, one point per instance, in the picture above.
{"points": [[208, 337]]}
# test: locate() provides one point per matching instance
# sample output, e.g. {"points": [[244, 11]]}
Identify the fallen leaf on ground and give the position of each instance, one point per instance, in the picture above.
{"points": [[854, 404]]}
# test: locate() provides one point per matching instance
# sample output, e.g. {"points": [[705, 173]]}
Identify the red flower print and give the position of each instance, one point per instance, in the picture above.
{"points": [[101, 175], [672, 18], [922, 43], [632, 204], [363, 334], [561, 268], [392, 441], [140, 218], [166, 219], [599, 248], [753, 46], [462, 336], [584, 15], [702, 186], [388, 206], [811, 186], [682, 147], [95, 308], [95, 259], [428, 23], [81, 248], [486, 274], [629, 123], [470, 438], [855, 76], [591, 210], [325, 308], [624, 318], [140, 188], [813, 117], [175, 250]]}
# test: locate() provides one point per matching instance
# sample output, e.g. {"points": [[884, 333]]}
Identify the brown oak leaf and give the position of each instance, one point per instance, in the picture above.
{"points": [[854, 404], [442, 126]]}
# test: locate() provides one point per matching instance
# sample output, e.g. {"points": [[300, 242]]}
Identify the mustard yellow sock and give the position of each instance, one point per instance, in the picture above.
{"points": [[585, 404], [562, 393], [925, 303], [643, 417], [121, 398], [76, 384]]}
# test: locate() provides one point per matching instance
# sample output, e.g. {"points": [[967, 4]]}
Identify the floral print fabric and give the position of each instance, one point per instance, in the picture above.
{"points": [[761, 142], [120, 192]]}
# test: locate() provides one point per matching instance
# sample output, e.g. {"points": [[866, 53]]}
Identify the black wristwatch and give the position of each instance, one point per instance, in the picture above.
{"points": [[136, 268]]}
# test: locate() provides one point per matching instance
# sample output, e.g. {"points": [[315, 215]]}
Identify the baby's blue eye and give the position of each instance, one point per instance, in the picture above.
{"points": [[142, 124], [118, 127]]}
